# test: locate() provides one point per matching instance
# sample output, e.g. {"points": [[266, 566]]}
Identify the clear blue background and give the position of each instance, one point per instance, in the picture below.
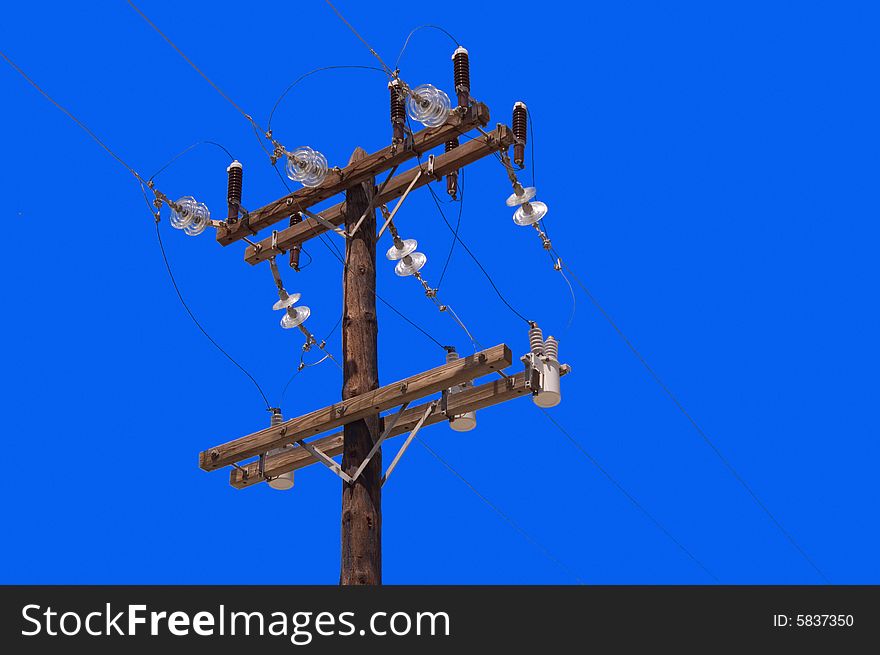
{"points": [[711, 171]]}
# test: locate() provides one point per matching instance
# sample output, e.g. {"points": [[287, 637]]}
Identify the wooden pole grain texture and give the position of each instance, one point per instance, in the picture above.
{"points": [[361, 532]]}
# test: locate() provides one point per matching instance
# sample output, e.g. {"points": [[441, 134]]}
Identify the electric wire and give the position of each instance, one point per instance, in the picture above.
{"points": [[626, 493], [143, 183], [191, 63], [457, 227], [185, 151], [362, 39], [693, 422], [528, 537], [417, 29], [198, 324], [475, 259], [305, 75], [70, 115]]}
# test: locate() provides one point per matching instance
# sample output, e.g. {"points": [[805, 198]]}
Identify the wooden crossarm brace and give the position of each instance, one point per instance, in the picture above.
{"points": [[469, 400], [355, 173], [361, 406], [467, 153]]}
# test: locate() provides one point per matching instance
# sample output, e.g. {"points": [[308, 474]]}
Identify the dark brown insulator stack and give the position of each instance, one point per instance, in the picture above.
{"points": [[520, 130], [461, 70], [398, 112], [233, 190]]}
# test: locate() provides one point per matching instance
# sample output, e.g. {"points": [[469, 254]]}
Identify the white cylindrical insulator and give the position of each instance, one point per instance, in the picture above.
{"points": [[536, 340], [551, 348], [550, 394], [460, 422], [284, 481]]}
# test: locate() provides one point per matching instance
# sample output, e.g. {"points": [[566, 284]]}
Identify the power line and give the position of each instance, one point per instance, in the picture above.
{"points": [[70, 115], [532, 540], [457, 227], [628, 495], [362, 39], [198, 324], [191, 63], [305, 75], [410, 35], [695, 425], [185, 151], [474, 257]]}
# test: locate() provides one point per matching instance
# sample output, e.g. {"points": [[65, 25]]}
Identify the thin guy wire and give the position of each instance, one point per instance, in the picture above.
{"points": [[82, 125], [622, 490], [532, 540], [695, 425], [191, 63], [362, 39], [199, 325], [410, 35]]}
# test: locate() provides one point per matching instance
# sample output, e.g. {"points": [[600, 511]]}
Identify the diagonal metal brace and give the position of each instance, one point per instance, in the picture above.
{"points": [[371, 206], [412, 435], [323, 221], [326, 460], [389, 426], [400, 202]]}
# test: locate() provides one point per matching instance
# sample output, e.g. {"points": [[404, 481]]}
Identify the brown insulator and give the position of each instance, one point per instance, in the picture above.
{"points": [[520, 130], [398, 111], [233, 190], [461, 70]]}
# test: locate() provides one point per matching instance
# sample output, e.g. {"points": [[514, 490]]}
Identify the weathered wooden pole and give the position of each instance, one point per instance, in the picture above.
{"points": [[361, 500]]}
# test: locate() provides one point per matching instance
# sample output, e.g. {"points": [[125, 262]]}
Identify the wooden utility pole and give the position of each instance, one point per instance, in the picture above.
{"points": [[361, 499], [296, 443]]}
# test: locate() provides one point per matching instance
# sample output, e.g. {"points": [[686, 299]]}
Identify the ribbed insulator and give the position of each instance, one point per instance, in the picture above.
{"points": [[398, 105], [233, 188], [520, 131], [451, 356], [277, 418], [451, 144], [398, 112], [461, 70], [536, 340], [551, 348]]}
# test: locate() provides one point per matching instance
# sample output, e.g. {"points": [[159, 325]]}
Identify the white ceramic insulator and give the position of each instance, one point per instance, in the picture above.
{"points": [[551, 348], [460, 422], [536, 340]]}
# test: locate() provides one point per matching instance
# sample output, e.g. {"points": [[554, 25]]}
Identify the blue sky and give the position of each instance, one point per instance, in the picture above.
{"points": [[711, 171]]}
